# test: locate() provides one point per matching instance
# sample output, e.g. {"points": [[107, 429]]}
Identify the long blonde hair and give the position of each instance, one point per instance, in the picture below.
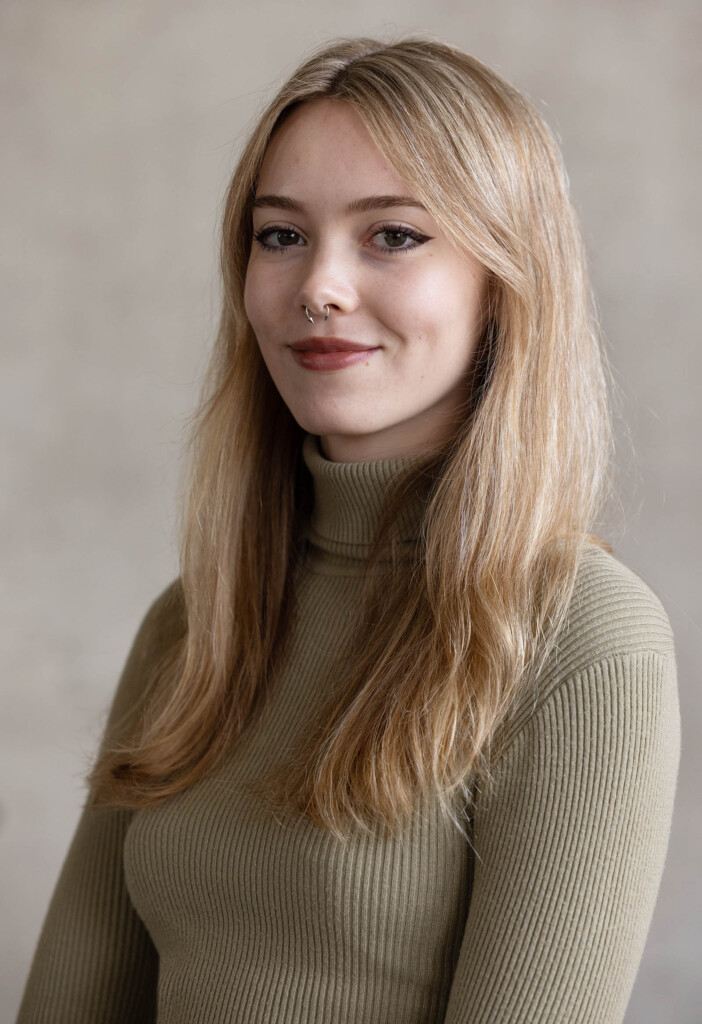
{"points": [[509, 500]]}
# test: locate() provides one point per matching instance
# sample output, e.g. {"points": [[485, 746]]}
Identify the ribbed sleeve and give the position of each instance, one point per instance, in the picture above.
{"points": [[95, 962], [571, 846]]}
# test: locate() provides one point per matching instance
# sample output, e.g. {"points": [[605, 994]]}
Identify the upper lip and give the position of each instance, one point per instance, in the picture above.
{"points": [[329, 345]]}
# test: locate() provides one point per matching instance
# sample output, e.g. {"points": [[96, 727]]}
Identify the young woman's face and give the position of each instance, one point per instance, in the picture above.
{"points": [[335, 226]]}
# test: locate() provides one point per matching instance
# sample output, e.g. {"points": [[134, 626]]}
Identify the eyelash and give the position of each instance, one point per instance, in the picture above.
{"points": [[397, 229]]}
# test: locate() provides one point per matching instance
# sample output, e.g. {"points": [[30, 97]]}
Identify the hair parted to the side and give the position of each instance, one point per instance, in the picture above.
{"points": [[509, 501]]}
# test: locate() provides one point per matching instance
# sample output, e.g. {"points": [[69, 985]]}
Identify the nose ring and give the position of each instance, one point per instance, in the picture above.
{"points": [[326, 313]]}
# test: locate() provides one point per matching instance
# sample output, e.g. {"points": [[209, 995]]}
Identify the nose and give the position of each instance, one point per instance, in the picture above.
{"points": [[327, 283]]}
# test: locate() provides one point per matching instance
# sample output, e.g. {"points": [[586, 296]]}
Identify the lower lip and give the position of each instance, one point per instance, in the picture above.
{"points": [[331, 360]]}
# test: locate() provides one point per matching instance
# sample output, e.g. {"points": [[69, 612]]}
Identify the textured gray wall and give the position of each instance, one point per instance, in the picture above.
{"points": [[120, 123]]}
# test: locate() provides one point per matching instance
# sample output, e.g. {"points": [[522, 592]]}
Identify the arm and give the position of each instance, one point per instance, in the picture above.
{"points": [[572, 844], [95, 961]]}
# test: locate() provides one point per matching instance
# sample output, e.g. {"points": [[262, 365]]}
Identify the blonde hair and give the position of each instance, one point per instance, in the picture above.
{"points": [[509, 500]]}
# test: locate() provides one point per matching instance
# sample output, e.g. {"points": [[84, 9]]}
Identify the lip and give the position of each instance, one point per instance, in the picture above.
{"points": [[336, 359], [324, 345]]}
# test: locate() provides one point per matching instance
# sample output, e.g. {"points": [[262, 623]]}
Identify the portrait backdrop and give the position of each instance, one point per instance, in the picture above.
{"points": [[121, 123]]}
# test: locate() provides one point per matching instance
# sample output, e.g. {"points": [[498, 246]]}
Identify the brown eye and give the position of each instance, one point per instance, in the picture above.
{"points": [[276, 239], [286, 237], [395, 239]]}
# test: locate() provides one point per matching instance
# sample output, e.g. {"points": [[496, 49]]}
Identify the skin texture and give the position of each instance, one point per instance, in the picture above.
{"points": [[422, 308]]}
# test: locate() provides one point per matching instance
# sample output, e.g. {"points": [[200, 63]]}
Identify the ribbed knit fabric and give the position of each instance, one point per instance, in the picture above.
{"points": [[209, 909]]}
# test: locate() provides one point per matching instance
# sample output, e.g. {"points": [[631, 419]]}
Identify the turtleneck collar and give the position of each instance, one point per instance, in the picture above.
{"points": [[349, 498]]}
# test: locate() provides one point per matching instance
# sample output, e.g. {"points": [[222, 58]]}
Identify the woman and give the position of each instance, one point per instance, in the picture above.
{"points": [[400, 743]]}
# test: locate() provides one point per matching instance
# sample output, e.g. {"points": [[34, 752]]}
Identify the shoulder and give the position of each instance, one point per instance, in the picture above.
{"points": [[616, 639], [612, 612], [165, 619], [163, 623]]}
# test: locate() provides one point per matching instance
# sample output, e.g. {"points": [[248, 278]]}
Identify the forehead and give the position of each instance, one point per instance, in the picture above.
{"points": [[322, 148]]}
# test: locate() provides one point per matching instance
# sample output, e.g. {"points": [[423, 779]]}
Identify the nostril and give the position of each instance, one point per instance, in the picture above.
{"points": [[325, 310]]}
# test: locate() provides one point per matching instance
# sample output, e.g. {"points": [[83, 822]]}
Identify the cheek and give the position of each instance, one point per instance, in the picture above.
{"points": [[404, 301], [450, 288], [252, 296], [430, 301], [267, 301], [260, 292]]}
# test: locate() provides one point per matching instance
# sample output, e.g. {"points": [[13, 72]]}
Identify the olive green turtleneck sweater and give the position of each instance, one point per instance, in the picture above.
{"points": [[208, 909]]}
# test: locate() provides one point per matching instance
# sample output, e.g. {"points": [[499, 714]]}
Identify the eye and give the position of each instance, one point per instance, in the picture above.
{"points": [[396, 236], [286, 238]]}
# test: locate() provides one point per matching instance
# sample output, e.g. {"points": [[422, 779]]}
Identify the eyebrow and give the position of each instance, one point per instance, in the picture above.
{"points": [[357, 206]]}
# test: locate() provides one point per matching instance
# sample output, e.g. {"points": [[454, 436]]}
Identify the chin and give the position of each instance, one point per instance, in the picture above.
{"points": [[324, 423]]}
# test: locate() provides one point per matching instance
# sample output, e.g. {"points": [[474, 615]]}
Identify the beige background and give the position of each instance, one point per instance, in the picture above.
{"points": [[120, 124]]}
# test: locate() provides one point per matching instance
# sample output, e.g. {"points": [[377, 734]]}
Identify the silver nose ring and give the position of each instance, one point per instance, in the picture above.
{"points": [[326, 313]]}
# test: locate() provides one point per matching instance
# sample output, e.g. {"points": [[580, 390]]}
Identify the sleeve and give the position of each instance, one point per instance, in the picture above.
{"points": [[95, 962], [571, 844]]}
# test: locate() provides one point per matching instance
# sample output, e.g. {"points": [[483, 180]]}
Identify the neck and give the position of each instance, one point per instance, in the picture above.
{"points": [[349, 498]]}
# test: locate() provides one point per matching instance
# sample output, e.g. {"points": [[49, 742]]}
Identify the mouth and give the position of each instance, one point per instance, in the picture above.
{"points": [[328, 345], [330, 353]]}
